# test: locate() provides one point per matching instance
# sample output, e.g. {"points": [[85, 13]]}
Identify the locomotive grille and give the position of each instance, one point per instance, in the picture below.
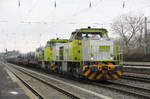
{"points": [[104, 48]]}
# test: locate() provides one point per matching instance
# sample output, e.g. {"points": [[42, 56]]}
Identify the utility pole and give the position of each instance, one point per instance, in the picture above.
{"points": [[146, 38], [40, 39], [6, 50]]}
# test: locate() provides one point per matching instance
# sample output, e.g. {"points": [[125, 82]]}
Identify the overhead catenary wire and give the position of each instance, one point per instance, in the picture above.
{"points": [[86, 9], [55, 22], [41, 22], [79, 12], [32, 7], [38, 22]]}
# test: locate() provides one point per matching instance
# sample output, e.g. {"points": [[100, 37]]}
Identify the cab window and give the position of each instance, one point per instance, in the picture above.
{"points": [[80, 36]]}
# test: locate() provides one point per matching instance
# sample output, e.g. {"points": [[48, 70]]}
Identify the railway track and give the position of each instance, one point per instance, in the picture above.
{"points": [[127, 89], [135, 78], [28, 86], [135, 65], [68, 94], [137, 69]]}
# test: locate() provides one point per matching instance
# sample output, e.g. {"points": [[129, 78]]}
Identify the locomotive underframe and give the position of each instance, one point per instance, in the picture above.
{"points": [[89, 70]]}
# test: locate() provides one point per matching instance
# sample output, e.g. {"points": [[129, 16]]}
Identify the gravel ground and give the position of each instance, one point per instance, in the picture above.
{"points": [[9, 87], [44, 90], [103, 91]]}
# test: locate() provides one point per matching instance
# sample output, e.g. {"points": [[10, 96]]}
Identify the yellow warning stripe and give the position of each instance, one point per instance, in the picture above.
{"points": [[115, 76], [91, 76], [107, 76], [87, 72], [119, 72], [84, 67], [99, 76]]}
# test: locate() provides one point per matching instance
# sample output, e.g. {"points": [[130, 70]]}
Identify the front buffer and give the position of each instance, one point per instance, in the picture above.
{"points": [[102, 71]]}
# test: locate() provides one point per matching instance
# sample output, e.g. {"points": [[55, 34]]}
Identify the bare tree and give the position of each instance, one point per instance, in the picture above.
{"points": [[130, 30]]}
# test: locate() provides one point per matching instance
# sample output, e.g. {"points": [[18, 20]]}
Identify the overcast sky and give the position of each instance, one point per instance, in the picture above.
{"points": [[27, 24]]}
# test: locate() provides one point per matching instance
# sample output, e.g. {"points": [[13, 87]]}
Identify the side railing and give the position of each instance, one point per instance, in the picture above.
{"points": [[118, 54], [115, 50]]}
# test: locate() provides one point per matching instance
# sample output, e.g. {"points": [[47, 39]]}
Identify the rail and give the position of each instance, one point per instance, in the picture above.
{"points": [[69, 94]]}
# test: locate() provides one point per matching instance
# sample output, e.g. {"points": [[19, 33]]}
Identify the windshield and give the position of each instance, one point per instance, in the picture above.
{"points": [[54, 43], [81, 36]]}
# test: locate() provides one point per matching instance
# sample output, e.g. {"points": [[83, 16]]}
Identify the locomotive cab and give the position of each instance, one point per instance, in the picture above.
{"points": [[92, 44], [82, 34]]}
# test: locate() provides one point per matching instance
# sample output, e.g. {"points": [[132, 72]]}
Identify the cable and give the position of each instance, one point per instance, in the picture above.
{"points": [[30, 10], [147, 6]]}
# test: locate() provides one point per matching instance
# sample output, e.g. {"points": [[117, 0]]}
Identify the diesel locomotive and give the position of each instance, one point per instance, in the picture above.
{"points": [[89, 53]]}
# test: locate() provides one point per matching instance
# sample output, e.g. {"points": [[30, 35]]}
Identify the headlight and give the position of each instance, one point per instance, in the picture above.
{"points": [[92, 58], [111, 58]]}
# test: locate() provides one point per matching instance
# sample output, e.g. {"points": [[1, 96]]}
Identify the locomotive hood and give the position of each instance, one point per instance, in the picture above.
{"points": [[97, 49]]}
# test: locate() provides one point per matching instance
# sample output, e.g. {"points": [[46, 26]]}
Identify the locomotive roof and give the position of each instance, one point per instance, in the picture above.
{"points": [[90, 30], [58, 41]]}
